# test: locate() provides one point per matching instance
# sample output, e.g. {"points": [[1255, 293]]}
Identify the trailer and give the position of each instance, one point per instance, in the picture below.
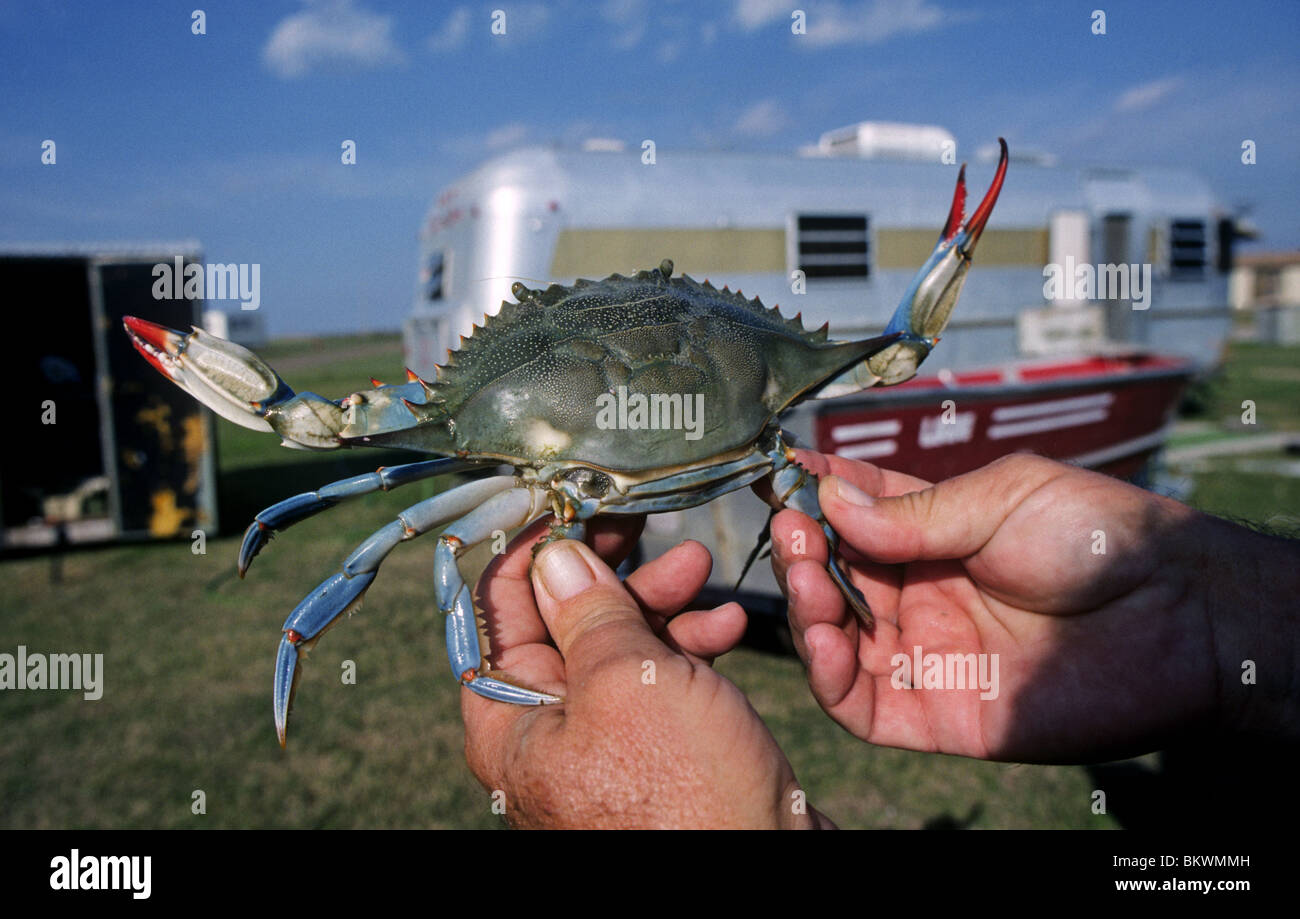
{"points": [[1047, 350], [101, 447]]}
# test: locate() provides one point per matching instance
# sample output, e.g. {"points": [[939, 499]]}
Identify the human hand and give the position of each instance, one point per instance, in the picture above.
{"points": [[1107, 609], [648, 735]]}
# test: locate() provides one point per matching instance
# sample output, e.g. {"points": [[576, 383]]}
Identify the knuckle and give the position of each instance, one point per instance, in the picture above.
{"points": [[921, 505], [615, 677], [1021, 464]]}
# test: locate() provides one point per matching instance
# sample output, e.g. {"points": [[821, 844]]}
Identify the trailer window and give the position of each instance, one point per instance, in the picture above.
{"points": [[1187, 249], [832, 246], [431, 276]]}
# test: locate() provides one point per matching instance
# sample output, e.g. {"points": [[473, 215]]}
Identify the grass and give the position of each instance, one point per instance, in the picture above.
{"points": [[188, 650], [1269, 377]]}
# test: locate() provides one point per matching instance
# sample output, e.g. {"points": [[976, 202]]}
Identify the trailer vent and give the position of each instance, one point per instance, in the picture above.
{"points": [[833, 246], [431, 277], [1187, 248]]}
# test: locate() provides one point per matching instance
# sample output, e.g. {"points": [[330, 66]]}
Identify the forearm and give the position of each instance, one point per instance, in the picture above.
{"points": [[1252, 596]]}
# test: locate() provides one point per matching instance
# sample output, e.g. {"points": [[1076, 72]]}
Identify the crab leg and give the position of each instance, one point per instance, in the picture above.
{"points": [[291, 510], [342, 592], [687, 489], [796, 487], [506, 511]]}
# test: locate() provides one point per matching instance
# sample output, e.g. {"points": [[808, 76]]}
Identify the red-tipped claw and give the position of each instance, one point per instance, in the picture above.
{"points": [[957, 222]]}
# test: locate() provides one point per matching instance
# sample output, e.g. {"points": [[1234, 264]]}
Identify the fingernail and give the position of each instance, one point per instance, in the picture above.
{"points": [[850, 493], [563, 571]]}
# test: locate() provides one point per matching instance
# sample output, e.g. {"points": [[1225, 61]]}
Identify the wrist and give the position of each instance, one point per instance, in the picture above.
{"points": [[1251, 590]]}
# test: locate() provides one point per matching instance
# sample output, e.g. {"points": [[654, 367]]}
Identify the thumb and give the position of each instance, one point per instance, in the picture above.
{"points": [[588, 611], [954, 518]]}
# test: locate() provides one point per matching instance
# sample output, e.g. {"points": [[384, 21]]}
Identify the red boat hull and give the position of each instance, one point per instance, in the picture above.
{"points": [[1107, 413]]}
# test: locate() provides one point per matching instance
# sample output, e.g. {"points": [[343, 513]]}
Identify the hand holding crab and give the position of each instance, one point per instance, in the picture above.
{"points": [[1101, 655], [649, 734]]}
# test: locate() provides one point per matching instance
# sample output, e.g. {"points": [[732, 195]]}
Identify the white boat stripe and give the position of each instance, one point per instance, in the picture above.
{"points": [[1120, 450], [844, 432], [1034, 409], [868, 450], [1033, 426]]}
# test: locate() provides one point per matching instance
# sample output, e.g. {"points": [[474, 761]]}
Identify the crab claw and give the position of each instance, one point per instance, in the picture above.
{"points": [[229, 379], [237, 384], [929, 301]]}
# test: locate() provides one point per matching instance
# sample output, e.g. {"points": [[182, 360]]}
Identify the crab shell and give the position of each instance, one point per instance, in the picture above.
{"points": [[525, 388]]}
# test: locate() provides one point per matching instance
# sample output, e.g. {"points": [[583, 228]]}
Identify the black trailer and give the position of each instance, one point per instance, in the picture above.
{"points": [[99, 445]]}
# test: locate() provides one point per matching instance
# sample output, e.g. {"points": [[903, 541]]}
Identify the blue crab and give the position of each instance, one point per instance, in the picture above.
{"points": [[526, 389]]}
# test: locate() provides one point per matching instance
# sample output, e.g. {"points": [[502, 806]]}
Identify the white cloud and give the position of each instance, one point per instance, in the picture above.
{"points": [[1137, 98], [453, 33], [754, 14], [868, 22], [330, 33], [762, 119], [629, 17]]}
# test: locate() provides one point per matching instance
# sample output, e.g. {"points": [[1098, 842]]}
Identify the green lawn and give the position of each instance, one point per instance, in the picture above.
{"points": [[1243, 487], [189, 648]]}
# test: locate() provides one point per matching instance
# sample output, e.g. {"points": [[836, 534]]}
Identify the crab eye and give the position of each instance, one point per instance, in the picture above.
{"points": [[590, 482]]}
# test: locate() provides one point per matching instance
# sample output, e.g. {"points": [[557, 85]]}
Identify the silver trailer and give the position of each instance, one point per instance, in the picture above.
{"points": [[837, 232]]}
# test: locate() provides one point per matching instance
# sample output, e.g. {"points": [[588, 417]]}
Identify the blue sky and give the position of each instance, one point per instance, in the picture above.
{"points": [[233, 137]]}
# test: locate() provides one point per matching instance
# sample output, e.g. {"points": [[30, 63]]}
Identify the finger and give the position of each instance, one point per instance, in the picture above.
{"points": [[873, 479], [793, 532], [595, 622], [832, 664], [843, 689], [709, 633], [814, 600], [614, 536], [519, 648], [506, 588], [952, 519], [495, 731], [505, 593], [666, 584], [865, 476], [795, 537]]}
